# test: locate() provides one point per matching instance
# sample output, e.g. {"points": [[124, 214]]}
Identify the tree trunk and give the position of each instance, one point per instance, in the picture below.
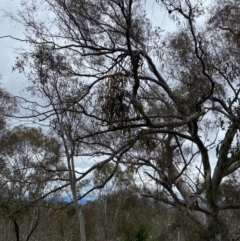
{"points": [[211, 230], [72, 178], [16, 228], [7, 224], [215, 231], [80, 216]]}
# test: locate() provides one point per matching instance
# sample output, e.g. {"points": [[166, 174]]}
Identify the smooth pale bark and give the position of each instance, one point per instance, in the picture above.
{"points": [[69, 148], [199, 217], [7, 224], [78, 209], [190, 199], [75, 200], [80, 217], [33, 224]]}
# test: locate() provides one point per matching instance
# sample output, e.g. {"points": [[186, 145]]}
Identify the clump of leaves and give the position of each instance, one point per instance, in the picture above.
{"points": [[113, 101]]}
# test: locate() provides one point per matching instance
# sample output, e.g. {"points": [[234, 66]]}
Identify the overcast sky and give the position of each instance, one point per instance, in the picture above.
{"points": [[15, 82], [12, 81]]}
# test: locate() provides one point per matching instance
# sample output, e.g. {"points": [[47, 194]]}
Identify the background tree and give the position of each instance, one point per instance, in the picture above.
{"points": [[111, 198], [30, 167]]}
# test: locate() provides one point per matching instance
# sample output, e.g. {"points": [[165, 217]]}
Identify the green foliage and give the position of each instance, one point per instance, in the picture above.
{"points": [[28, 169], [142, 233]]}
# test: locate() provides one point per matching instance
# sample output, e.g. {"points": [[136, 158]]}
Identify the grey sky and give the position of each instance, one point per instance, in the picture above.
{"points": [[15, 82], [12, 81]]}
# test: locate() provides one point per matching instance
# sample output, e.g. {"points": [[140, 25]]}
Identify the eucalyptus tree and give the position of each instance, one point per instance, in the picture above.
{"points": [[111, 200], [96, 64], [30, 167], [8, 106]]}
